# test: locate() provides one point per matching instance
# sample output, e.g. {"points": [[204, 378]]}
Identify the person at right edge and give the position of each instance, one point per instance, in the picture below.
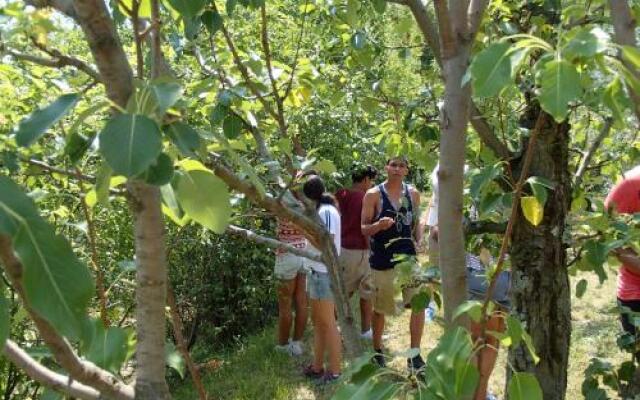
{"points": [[624, 198], [390, 219]]}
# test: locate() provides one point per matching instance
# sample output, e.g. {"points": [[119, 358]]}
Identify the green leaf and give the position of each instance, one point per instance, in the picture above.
{"points": [[76, 144], [57, 285], [581, 287], [232, 126], [615, 99], [161, 172], [529, 343], [514, 330], [379, 5], [491, 70], [36, 124], [524, 386], [188, 8], [539, 188], [471, 307], [358, 40], [130, 143], [586, 43], [325, 167], [205, 198], [480, 180], [167, 94], [231, 5], [107, 348], [173, 359], [559, 85], [186, 139], [632, 55], [103, 180], [420, 301], [212, 20]]}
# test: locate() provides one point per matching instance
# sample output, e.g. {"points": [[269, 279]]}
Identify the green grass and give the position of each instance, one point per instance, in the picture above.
{"points": [[254, 370]]}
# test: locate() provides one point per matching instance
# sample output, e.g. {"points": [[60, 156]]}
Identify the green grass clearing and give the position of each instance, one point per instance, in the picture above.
{"points": [[255, 370]]}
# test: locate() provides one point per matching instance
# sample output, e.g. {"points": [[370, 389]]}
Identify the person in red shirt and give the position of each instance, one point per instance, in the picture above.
{"points": [[624, 198], [354, 255]]}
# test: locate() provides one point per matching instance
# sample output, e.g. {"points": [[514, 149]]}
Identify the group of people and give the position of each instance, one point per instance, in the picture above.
{"points": [[371, 225]]}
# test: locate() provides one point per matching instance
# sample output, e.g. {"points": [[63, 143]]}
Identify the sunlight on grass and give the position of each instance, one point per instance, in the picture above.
{"points": [[256, 371]]}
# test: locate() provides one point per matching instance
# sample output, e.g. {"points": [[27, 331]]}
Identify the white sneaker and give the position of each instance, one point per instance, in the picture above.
{"points": [[368, 335], [284, 348], [295, 348]]}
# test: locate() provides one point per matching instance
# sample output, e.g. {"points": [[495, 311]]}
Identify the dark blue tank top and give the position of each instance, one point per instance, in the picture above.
{"points": [[385, 245]]}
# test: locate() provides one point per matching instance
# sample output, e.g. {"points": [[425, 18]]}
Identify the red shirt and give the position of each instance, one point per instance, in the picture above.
{"points": [[625, 197], [350, 202]]}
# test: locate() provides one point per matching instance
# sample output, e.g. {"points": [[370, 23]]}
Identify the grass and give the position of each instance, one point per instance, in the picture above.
{"points": [[254, 370]]}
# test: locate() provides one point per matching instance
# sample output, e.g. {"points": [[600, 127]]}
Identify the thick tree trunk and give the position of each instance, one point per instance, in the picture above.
{"points": [[540, 283], [151, 292]]}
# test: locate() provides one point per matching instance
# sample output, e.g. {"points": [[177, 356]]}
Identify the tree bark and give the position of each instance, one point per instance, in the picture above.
{"points": [[151, 291], [540, 282], [455, 45], [624, 27], [45, 376], [151, 275]]}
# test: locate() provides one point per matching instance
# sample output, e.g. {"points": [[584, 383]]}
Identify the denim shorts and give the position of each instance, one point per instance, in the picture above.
{"points": [[319, 287], [288, 266]]}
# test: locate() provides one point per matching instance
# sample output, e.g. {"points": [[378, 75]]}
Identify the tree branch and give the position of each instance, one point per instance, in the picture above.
{"points": [[270, 242], [487, 134], [64, 6], [244, 72], [427, 27], [45, 376], [59, 61], [624, 27], [476, 12], [478, 121], [448, 43], [84, 371], [586, 160]]}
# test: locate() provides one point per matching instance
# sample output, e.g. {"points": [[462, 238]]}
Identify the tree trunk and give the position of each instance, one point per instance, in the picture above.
{"points": [[151, 291], [455, 117], [540, 283]]}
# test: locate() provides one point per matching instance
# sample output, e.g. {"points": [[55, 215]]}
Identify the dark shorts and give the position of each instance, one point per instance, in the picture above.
{"points": [[477, 286], [625, 318]]}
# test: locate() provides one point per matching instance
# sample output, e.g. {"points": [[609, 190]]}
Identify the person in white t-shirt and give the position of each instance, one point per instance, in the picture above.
{"points": [[326, 338]]}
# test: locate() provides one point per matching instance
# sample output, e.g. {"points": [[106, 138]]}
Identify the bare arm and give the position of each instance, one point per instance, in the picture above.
{"points": [[418, 228], [629, 258], [368, 213]]}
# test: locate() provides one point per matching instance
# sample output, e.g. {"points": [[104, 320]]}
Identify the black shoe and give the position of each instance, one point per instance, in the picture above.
{"points": [[378, 359], [416, 365]]}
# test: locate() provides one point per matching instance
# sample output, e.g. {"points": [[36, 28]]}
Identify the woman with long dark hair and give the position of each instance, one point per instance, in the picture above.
{"points": [[326, 338]]}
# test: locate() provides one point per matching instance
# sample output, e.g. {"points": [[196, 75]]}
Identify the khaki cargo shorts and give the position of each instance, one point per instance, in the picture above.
{"points": [[384, 292], [356, 272]]}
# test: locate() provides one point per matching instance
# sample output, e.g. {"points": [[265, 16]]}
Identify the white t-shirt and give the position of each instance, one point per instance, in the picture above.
{"points": [[433, 206], [330, 218]]}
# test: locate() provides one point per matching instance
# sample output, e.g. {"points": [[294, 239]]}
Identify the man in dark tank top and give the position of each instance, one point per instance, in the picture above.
{"points": [[390, 220]]}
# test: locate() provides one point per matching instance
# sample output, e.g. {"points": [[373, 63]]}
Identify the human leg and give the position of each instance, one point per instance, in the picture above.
{"points": [[300, 298], [487, 355], [285, 298], [319, 335]]}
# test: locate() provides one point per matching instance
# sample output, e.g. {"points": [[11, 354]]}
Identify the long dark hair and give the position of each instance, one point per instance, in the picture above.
{"points": [[314, 189]]}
